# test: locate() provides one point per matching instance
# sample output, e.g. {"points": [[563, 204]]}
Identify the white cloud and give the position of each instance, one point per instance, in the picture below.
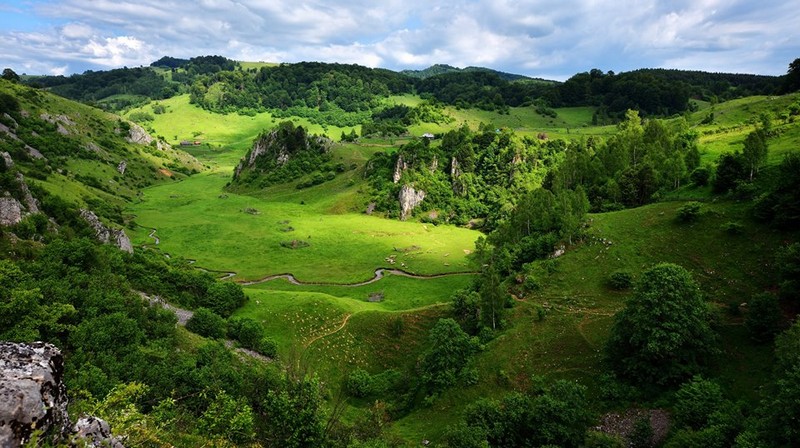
{"points": [[527, 36]]}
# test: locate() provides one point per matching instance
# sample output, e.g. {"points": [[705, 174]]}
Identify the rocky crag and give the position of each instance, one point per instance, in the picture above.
{"points": [[277, 148], [105, 234], [33, 400], [14, 207]]}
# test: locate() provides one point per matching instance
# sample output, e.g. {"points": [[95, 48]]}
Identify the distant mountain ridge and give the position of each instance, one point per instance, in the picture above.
{"points": [[440, 69]]}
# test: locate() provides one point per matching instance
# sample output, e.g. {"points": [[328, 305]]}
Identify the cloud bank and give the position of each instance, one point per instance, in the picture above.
{"points": [[546, 38]]}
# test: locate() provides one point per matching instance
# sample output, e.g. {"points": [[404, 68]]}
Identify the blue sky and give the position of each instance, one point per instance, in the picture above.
{"points": [[543, 38]]}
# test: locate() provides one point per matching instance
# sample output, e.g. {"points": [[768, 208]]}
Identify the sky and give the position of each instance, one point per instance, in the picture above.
{"points": [[552, 39]]}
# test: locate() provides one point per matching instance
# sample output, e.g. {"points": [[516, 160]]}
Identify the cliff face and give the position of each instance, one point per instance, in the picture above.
{"points": [[409, 198]]}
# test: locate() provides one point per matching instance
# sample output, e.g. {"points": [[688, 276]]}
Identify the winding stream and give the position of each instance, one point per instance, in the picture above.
{"points": [[379, 273]]}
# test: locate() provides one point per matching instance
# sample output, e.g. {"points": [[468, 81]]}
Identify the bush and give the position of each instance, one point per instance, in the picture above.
{"points": [[358, 383], [268, 347], [696, 400], [247, 331], [763, 317], [664, 334], [141, 117], [641, 435], [700, 176], [207, 323], [223, 298], [689, 212], [621, 280], [732, 228]]}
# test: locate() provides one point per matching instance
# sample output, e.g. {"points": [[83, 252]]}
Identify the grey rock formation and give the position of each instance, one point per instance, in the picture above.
{"points": [[10, 211], [139, 136], [11, 119], [61, 121], [13, 209], [409, 198], [92, 146], [90, 431], [271, 145], [28, 200], [32, 393], [455, 168], [105, 234], [399, 167], [123, 165], [9, 162]]}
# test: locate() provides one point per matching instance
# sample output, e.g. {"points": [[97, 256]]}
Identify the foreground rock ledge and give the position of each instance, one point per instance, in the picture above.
{"points": [[33, 398]]}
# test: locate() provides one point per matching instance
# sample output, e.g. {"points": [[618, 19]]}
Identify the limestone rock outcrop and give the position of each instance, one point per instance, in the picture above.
{"points": [[105, 234], [399, 167], [10, 211], [409, 198], [32, 393], [14, 209], [275, 148], [90, 431], [137, 135], [33, 399]]}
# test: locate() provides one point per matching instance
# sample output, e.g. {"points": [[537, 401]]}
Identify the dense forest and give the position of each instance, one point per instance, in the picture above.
{"points": [[344, 95]]}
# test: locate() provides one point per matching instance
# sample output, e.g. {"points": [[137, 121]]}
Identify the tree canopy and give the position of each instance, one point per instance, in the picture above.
{"points": [[663, 335]]}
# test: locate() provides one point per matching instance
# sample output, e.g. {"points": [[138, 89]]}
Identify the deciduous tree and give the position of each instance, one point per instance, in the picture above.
{"points": [[663, 335]]}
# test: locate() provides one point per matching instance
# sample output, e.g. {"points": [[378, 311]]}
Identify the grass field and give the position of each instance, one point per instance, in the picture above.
{"points": [[196, 219]]}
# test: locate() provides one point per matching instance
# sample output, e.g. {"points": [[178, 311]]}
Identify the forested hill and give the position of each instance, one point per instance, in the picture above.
{"points": [[347, 94], [657, 91], [440, 69]]}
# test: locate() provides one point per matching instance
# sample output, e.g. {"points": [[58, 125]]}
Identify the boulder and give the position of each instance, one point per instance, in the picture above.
{"points": [[10, 211], [137, 135], [92, 431], [31, 204], [7, 159], [32, 393]]}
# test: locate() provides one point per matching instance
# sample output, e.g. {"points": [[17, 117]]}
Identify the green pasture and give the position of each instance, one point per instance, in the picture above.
{"points": [[397, 292], [231, 134], [247, 65], [225, 231]]}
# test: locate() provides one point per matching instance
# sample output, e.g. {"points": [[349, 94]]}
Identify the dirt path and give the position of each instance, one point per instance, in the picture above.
{"points": [[184, 316], [348, 316], [330, 333]]}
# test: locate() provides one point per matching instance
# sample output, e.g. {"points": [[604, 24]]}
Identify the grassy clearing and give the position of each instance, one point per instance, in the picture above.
{"points": [[195, 219], [247, 65], [398, 293], [231, 134]]}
